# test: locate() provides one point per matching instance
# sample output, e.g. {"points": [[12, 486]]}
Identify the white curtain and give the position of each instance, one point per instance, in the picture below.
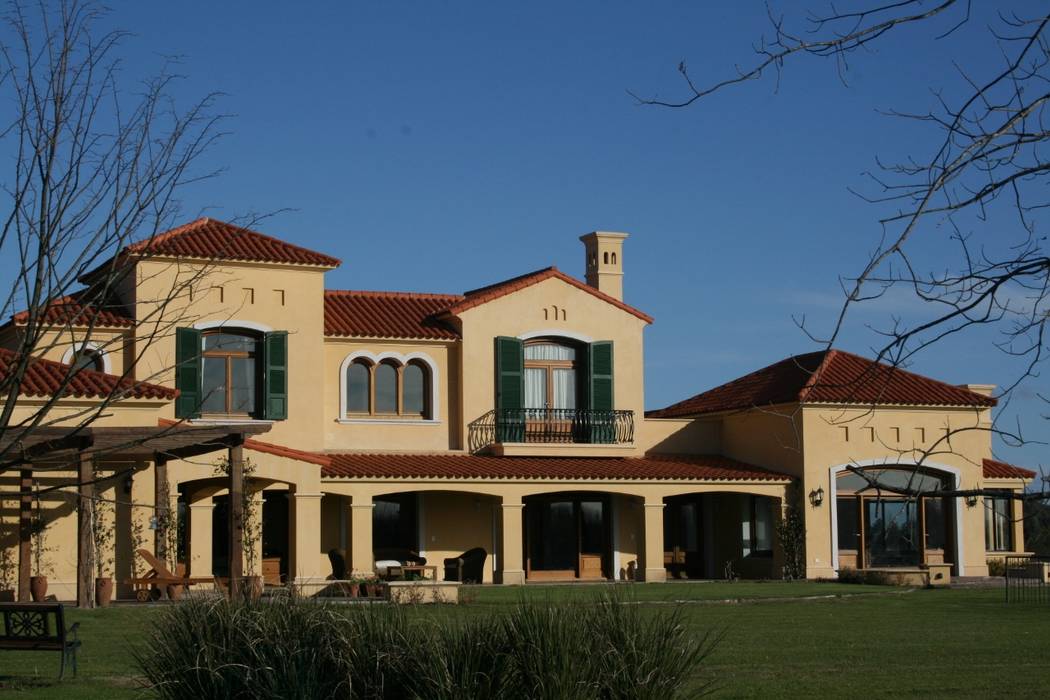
{"points": [[564, 388], [549, 351], [535, 387]]}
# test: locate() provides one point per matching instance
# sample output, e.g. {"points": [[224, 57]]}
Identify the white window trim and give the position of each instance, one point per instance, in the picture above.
{"points": [[107, 365], [435, 405], [233, 324], [553, 332], [893, 462]]}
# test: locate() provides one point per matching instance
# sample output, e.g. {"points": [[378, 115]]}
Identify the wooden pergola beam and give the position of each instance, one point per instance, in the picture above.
{"points": [[161, 506], [236, 511], [25, 528], [85, 539]]}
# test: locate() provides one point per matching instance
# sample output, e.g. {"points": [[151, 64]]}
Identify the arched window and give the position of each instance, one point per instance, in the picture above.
{"points": [[614, 258], [605, 258], [389, 389], [359, 386], [87, 358], [229, 372], [386, 388], [414, 393], [550, 374]]}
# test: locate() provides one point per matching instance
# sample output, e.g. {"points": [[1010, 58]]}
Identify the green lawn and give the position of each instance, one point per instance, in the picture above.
{"points": [[783, 639]]}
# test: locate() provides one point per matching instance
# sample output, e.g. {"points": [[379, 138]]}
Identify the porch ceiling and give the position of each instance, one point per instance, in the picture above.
{"points": [[452, 466]]}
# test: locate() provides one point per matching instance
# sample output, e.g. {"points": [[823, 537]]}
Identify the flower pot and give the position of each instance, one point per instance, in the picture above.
{"points": [[103, 591], [174, 591], [371, 590], [38, 588], [351, 589]]}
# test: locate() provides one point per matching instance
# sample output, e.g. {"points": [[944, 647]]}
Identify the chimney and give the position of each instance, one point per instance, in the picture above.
{"points": [[605, 261]]}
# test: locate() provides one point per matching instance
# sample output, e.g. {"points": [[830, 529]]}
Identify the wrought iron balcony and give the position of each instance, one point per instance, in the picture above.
{"points": [[551, 426]]}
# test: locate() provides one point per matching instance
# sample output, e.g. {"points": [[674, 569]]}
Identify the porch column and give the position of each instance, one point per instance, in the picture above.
{"points": [[85, 538], [25, 529], [305, 518], [512, 571], [653, 551], [257, 547], [198, 543], [362, 561]]}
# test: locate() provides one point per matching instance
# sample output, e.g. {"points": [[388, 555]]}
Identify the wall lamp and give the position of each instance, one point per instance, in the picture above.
{"points": [[816, 496], [971, 499]]}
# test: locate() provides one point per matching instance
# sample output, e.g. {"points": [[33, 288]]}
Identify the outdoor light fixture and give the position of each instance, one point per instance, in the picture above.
{"points": [[971, 499], [127, 484], [816, 496]]}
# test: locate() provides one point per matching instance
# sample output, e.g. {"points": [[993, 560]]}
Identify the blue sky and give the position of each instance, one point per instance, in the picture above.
{"points": [[439, 146]]}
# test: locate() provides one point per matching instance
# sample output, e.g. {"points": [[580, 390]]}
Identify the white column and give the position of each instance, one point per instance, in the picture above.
{"points": [[305, 538], [513, 568], [361, 560], [199, 540], [653, 551]]}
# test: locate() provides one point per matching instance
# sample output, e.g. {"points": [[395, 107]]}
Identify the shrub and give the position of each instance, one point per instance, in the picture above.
{"points": [[606, 647]]}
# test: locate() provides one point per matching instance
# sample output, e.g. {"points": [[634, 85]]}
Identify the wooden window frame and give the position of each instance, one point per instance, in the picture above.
{"points": [[399, 367], [229, 356], [550, 365]]}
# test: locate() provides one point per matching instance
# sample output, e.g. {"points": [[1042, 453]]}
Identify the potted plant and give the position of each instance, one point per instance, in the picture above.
{"points": [[370, 586], [7, 569], [251, 529], [168, 529], [40, 550], [102, 537]]}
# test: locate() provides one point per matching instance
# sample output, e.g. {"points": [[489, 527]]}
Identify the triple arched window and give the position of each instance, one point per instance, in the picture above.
{"points": [[388, 388]]}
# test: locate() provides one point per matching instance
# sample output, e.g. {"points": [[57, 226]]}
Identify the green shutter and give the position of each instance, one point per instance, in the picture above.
{"points": [[600, 391], [275, 375], [188, 372], [510, 389]]}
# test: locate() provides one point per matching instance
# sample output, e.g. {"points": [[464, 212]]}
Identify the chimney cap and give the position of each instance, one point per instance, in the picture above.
{"points": [[603, 234]]}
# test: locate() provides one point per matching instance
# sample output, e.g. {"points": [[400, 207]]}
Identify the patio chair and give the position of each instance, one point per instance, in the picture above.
{"points": [[150, 586], [338, 562], [468, 567]]}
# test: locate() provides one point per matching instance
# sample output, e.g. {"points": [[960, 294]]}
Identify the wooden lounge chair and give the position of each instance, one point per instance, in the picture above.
{"points": [[159, 576]]}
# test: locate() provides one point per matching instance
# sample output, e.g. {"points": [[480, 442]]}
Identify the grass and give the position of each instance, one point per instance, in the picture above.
{"points": [[784, 641]]}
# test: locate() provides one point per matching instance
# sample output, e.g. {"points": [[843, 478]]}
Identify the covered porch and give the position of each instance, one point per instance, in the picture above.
{"points": [[556, 519]]}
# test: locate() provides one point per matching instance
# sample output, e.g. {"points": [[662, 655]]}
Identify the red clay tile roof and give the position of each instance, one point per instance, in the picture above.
{"points": [[830, 376], [994, 469], [483, 295], [455, 466], [44, 377], [69, 310], [387, 314], [211, 239]]}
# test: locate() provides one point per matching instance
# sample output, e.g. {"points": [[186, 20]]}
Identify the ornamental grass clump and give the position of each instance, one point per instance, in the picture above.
{"points": [[605, 647]]}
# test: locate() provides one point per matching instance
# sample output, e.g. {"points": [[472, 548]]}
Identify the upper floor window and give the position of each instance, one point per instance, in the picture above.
{"points": [[86, 357], [389, 388], [231, 372], [550, 375]]}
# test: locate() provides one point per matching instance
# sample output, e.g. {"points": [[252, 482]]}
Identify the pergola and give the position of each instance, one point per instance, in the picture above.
{"points": [[80, 448]]}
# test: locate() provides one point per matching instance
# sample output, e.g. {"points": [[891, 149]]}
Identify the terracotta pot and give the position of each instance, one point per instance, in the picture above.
{"points": [[371, 590], [351, 589], [174, 591], [7, 595], [103, 591], [38, 588]]}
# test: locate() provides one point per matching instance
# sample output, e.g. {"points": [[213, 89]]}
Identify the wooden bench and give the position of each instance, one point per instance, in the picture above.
{"points": [[39, 627]]}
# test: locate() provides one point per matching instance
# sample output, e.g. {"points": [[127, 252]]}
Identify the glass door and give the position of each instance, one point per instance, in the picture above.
{"points": [[891, 533], [683, 555]]}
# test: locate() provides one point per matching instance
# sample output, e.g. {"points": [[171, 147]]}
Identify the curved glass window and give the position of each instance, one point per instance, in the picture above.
{"points": [[414, 398], [358, 387], [386, 388]]}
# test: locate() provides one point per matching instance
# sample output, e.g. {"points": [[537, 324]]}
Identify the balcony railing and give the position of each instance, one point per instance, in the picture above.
{"points": [[551, 426]]}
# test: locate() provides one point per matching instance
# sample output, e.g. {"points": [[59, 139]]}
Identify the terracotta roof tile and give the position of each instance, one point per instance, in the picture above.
{"points": [[830, 376], [69, 310], [454, 466], [483, 295], [44, 377], [994, 469], [211, 239], [387, 314]]}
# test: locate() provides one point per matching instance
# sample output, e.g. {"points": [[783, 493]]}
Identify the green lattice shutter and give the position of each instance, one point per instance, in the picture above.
{"points": [[600, 391], [275, 375], [188, 372], [510, 389]]}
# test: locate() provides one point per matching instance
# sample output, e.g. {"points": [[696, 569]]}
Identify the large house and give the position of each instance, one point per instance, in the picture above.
{"points": [[509, 418]]}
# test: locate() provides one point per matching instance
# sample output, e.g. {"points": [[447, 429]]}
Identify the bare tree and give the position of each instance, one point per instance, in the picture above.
{"points": [[983, 178], [97, 165]]}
